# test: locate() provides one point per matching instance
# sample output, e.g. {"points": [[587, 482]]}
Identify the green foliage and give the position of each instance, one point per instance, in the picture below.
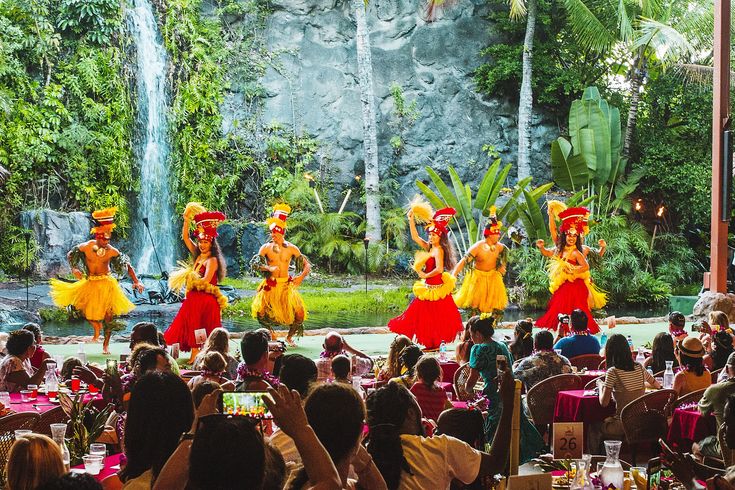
{"points": [[97, 20], [531, 290], [403, 117], [85, 425]]}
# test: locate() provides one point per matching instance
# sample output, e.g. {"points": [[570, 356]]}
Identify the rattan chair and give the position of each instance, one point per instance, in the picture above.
{"points": [[602, 365], [9, 424], [541, 398], [690, 398], [588, 361], [54, 416], [645, 419], [592, 384], [461, 376]]}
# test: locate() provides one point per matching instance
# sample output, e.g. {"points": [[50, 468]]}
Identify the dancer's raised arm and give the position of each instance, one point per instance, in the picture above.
{"points": [[415, 233]]}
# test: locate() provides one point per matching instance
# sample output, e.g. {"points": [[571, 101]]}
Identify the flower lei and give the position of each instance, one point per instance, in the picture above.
{"points": [[329, 355], [244, 372], [212, 374], [677, 332]]}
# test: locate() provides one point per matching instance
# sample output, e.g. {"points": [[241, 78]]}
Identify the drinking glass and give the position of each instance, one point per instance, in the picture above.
{"points": [[21, 432], [75, 384], [34, 391], [660, 381], [450, 396], [25, 395], [92, 463], [5, 398], [97, 449]]}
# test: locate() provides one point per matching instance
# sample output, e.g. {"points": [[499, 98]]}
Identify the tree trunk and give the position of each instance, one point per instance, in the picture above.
{"points": [[370, 138], [525, 102], [635, 97]]}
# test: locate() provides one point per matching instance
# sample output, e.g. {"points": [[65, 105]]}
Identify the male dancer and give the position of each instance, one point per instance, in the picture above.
{"points": [[482, 289], [98, 295], [277, 302]]}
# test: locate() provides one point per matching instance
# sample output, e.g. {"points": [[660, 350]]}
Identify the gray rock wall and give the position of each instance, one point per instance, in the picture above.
{"points": [[56, 233], [314, 86]]}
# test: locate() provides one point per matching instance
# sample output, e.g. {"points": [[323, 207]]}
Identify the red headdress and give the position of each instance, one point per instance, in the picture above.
{"points": [[493, 225], [207, 223], [277, 221], [574, 219], [105, 219], [440, 221]]}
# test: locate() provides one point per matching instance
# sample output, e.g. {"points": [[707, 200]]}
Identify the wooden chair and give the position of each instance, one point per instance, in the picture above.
{"points": [[54, 416], [602, 365], [461, 376], [715, 374], [690, 398], [587, 361], [9, 424], [645, 419], [541, 398]]}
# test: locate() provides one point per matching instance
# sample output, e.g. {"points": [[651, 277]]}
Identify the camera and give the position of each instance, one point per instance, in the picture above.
{"points": [[702, 327], [563, 318], [277, 346]]}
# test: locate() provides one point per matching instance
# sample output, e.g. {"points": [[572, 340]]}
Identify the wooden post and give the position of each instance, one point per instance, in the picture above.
{"points": [[720, 120], [515, 438]]}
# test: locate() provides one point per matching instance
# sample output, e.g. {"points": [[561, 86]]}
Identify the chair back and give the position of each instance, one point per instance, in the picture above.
{"points": [[541, 398], [461, 375], [603, 365], [587, 361], [592, 384], [727, 456], [689, 398], [54, 416], [9, 424], [715, 374], [645, 419]]}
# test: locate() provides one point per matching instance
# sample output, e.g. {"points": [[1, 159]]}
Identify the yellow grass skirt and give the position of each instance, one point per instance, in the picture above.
{"points": [[96, 296], [431, 292], [278, 302], [561, 271], [482, 291]]}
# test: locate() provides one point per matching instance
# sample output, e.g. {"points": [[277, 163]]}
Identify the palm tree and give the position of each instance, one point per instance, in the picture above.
{"points": [[370, 138], [652, 34]]}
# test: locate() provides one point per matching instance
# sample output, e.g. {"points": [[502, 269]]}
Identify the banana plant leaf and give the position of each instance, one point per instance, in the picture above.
{"points": [[569, 171], [601, 133], [444, 191], [434, 200], [486, 186], [532, 218], [588, 151]]}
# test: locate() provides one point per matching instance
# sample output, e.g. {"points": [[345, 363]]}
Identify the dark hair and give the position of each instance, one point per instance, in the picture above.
{"points": [[148, 332], [252, 346], [410, 356], [578, 320], [214, 361], [543, 340], [35, 328], [160, 410], [450, 255], [337, 414], [387, 409], [67, 369], [220, 444], [19, 341], [341, 366], [428, 370], [617, 353], [466, 425], [561, 242], [139, 349], [723, 349], [203, 389], [148, 360], [691, 364], [217, 254], [298, 372], [522, 345], [72, 481], [662, 350], [485, 326]]}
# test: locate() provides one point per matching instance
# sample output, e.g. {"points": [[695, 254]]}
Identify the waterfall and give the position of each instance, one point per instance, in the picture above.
{"points": [[152, 147]]}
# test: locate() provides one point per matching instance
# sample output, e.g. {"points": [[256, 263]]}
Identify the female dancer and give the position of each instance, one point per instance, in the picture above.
{"points": [[204, 301], [569, 273], [432, 317]]}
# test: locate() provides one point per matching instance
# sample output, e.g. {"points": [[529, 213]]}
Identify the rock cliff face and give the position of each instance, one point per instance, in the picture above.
{"points": [[56, 233], [314, 86]]}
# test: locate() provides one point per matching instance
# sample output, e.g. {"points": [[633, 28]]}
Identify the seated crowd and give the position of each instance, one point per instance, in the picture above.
{"points": [[327, 432]]}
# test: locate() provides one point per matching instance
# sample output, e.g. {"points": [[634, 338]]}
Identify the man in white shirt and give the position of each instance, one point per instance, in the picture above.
{"points": [[419, 462], [334, 345]]}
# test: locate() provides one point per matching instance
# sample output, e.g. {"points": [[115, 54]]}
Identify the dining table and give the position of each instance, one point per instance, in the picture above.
{"points": [[42, 403], [112, 466], [581, 406], [688, 425]]}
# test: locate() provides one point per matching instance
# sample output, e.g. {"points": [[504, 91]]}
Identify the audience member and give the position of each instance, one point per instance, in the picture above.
{"points": [[580, 342], [662, 350], [432, 399], [677, 322], [408, 358], [341, 369], [392, 368], [143, 332], [522, 345], [203, 389], [252, 373], [467, 426], [34, 460], [543, 363], [298, 373], [464, 346], [213, 369], [722, 348], [337, 415], [719, 322], [335, 345], [406, 459], [73, 481], [713, 402], [219, 341], [484, 360], [40, 355], [625, 381], [16, 372], [693, 375], [67, 369]]}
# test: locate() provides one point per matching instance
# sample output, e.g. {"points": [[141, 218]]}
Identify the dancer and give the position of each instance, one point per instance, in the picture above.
{"points": [[204, 301], [98, 295], [554, 208], [277, 302], [432, 316], [569, 274], [482, 289]]}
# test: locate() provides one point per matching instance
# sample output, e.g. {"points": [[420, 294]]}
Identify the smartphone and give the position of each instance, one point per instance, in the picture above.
{"points": [[501, 363], [111, 367], [653, 471], [244, 404], [665, 447]]}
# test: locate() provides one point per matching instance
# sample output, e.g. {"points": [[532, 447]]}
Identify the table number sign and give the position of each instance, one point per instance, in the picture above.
{"points": [[200, 336], [568, 440]]}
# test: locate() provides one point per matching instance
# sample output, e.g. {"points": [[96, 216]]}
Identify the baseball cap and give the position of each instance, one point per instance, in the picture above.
{"points": [[677, 319]]}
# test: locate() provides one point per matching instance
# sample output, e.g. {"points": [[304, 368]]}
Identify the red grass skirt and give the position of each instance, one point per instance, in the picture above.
{"points": [[570, 296], [430, 321], [198, 310]]}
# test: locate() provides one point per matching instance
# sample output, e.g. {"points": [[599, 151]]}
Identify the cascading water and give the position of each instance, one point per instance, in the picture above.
{"points": [[152, 146]]}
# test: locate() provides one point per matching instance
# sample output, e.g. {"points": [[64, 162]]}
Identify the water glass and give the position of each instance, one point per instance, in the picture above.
{"points": [[76, 384], [558, 352], [5, 398], [450, 395], [25, 396], [59, 360], [97, 449], [34, 391], [92, 463], [21, 432], [660, 381], [600, 464]]}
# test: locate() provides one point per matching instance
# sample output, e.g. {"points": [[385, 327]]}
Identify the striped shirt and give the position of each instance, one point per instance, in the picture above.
{"points": [[431, 400], [627, 385]]}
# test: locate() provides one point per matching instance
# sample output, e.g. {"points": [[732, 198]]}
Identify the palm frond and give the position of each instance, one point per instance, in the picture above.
{"points": [[589, 30], [517, 9], [668, 44], [624, 24], [433, 7]]}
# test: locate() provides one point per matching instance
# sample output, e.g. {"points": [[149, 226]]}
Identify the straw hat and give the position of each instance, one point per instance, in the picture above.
{"points": [[691, 347]]}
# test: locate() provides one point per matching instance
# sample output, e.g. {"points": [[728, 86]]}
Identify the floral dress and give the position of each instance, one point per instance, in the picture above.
{"points": [[540, 366]]}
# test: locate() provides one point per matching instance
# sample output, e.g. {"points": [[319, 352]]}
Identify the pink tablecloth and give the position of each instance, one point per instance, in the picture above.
{"points": [[42, 404], [575, 406], [688, 426], [448, 370], [112, 466]]}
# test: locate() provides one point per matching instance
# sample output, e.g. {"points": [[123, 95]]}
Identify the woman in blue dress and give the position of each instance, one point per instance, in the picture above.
{"points": [[484, 363]]}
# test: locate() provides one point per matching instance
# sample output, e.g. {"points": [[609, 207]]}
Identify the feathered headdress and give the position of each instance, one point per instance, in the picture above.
{"points": [[575, 219], [437, 222], [192, 209], [493, 225], [105, 221], [440, 221], [207, 223], [422, 210], [277, 221]]}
